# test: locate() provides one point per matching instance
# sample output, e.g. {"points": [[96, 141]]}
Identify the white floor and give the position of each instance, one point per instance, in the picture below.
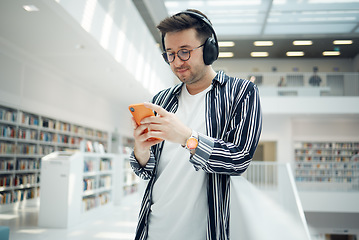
{"points": [[117, 222]]}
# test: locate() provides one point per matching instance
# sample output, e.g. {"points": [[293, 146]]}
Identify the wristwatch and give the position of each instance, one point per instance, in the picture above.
{"points": [[192, 141]]}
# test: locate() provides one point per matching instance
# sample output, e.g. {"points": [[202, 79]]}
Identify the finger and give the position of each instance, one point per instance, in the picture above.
{"points": [[151, 120], [155, 127], [153, 136], [156, 108], [140, 130], [133, 122]]}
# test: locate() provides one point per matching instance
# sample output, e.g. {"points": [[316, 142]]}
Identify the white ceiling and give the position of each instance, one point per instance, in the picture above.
{"points": [[281, 21], [243, 18]]}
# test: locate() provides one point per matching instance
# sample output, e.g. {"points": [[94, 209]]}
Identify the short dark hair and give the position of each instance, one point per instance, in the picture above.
{"points": [[182, 21]]}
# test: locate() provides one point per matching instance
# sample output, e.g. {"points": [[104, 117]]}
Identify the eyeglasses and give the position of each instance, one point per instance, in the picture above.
{"points": [[183, 54]]}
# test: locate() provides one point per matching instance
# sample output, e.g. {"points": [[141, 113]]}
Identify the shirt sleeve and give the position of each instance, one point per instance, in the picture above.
{"points": [[232, 153], [145, 172]]}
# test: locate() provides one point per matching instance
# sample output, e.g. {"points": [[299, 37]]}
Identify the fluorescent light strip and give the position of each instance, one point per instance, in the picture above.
{"points": [[259, 54], [234, 3], [295, 54], [225, 54], [226, 44], [302, 42], [331, 53], [263, 43], [342, 42], [30, 8]]}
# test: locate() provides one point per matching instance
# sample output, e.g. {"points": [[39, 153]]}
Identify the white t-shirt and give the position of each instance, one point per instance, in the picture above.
{"points": [[179, 210]]}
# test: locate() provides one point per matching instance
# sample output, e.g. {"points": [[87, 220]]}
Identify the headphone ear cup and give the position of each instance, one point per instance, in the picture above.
{"points": [[210, 51]]}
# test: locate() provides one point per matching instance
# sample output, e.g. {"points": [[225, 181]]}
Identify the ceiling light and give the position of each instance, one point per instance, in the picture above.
{"points": [[302, 42], [342, 42], [263, 43], [234, 3], [331, 53], [295, 54], [30, 8], [226, 44], [259, 54], [225, 54]]}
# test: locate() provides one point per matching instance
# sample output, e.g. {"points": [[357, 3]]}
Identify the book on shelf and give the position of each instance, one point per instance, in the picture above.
{"points": [[89, 184], [6, 165], [48, 123], [89, 146], [7, 131], [7, 148], [8, 115], [7, 181], [28, 119]]}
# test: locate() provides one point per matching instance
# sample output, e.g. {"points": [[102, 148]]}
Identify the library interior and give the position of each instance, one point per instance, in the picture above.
{"points": [[70, 69]]}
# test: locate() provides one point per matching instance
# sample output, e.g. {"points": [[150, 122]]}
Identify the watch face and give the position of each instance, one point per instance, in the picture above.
{"points": [[192, 143]]}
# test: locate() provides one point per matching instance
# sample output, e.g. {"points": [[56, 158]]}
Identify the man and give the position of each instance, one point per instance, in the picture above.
{"points": [[315, 80], [207, 128]]}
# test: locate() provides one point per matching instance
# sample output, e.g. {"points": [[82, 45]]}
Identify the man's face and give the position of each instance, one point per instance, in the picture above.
{"points": [[192, 70]]}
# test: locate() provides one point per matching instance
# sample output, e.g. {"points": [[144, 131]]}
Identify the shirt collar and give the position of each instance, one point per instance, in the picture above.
{"points": [[221, 78]]}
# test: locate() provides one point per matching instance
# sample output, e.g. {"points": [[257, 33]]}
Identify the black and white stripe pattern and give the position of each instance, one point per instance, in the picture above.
{"points": [[233, 125]]}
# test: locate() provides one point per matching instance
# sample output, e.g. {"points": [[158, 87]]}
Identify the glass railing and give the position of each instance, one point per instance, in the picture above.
{"points": [[277, 181], [304, 83]]}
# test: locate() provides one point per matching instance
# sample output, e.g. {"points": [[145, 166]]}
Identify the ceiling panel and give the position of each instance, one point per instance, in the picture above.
{"points": [[245, 21], [297, 29]]}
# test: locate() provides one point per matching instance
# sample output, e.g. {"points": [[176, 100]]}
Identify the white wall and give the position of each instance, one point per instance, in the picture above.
{"points": [[329, 128], [31, 85], [277, 128]]}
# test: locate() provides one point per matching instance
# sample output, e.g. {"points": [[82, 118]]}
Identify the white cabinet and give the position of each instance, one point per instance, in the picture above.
{"points": [[75, 186]]}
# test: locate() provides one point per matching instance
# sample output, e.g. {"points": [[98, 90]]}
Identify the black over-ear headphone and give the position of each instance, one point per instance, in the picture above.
{"points": [[210, 47]]}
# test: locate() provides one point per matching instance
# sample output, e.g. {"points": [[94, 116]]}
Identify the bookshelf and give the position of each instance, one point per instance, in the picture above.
{"points": [[128, 181], [26, 137], [75, 186], [327, 165], [131, 180]]}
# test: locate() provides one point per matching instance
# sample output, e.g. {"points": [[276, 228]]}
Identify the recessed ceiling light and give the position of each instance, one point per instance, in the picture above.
{"points": [[331, 53], [302, 42], [259, 54], [295, 54], [30, 8], [226, 44], [225, 54], [263, 43], [342, 42]]}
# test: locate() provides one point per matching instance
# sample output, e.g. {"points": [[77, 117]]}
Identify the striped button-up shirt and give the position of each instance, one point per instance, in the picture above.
{"points": [[233, 126]]}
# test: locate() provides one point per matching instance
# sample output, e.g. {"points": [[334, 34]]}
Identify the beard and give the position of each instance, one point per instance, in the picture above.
{"points": [[186, 75]]}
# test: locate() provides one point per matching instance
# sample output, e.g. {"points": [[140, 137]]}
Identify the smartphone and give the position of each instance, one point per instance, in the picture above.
{"points": [[139, 112]]}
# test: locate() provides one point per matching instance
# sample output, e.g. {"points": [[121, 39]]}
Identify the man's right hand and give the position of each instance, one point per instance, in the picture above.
{"points": [[143, 143]]}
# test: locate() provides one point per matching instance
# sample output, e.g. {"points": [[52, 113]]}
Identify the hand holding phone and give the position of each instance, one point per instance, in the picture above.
{"points": [[139, 112]]}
